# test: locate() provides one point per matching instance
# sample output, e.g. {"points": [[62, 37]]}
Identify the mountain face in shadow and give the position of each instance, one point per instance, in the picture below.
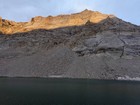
{"points": [[82, 45]]}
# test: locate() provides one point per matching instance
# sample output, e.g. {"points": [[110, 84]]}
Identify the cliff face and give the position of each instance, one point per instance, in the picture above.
{"points": [[82, 45]]}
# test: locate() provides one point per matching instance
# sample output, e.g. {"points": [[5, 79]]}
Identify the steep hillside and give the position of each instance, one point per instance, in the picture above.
{"points": [[83, 45]]}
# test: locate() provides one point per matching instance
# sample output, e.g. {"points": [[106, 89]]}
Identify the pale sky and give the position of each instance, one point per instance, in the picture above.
{"points": [[24, 10]]}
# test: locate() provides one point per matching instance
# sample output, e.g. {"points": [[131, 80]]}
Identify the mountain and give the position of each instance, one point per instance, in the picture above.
{"points": [[50, 22], [88, 44]]}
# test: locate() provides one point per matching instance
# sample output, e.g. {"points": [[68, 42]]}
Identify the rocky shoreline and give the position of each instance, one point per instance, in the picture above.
{"points": [[125, 78]]}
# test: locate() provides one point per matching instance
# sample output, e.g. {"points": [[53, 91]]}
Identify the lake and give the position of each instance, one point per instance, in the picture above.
{"points": [[41, 91]]}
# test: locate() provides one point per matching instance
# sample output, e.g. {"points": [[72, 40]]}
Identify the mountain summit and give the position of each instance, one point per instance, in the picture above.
{"points": [[50, 22]]}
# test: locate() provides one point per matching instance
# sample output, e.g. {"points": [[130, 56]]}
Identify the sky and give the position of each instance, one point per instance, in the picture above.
{"points": [[24, 10]]}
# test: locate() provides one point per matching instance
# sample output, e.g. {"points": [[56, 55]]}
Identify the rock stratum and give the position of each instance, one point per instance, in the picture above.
{"points": [[88, 44]]}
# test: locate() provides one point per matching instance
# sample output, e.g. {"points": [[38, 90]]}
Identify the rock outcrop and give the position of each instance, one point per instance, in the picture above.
{"points": [[50, 22], [82, 45]]}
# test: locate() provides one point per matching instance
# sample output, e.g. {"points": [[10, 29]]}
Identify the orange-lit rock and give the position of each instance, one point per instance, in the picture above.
{"points": [[50, 22]]}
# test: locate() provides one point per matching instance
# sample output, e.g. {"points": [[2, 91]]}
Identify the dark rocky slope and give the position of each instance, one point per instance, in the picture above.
{"points": [[99, 47]]}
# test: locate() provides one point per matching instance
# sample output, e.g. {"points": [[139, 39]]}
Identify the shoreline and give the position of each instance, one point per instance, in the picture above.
{"points": [[67, 78]]}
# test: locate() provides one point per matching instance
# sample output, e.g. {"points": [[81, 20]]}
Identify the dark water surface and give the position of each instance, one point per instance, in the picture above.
{"points": [[37, 91]]}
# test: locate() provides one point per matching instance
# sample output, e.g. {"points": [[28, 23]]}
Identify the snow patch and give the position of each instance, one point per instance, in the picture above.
{"points": [[129, 78], [55, 76]]}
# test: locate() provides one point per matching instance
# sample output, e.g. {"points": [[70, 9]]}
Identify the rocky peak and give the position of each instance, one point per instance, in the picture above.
{"points": [[37, 19], [86, 17], [87, 11]]}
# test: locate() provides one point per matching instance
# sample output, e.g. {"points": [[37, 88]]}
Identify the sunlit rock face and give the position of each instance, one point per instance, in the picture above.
{"points": [[50, 22], [88, 44]]}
